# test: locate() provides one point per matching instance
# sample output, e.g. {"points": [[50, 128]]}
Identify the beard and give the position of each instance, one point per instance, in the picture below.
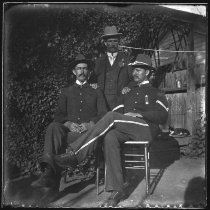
{"points": [[112, 49], [136, 78]]}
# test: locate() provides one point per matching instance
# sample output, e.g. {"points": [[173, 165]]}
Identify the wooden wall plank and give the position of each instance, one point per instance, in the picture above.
{"points": [[191, 105], [177, 110]]}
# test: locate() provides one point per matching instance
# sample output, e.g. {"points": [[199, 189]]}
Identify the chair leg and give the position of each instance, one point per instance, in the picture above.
{"points": [[97, 180], [65, 176], [149, 172], [105, 176], [146, 169]]}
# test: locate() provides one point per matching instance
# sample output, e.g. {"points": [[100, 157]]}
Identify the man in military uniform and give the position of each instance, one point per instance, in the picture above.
{"points": [[111, 70], [79, 108], [141, 109]]}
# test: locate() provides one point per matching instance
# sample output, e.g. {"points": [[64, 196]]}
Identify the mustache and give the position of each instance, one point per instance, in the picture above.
{"points": [[82, 74]]}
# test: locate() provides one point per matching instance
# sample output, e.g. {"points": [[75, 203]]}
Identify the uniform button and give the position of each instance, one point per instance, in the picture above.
{"points": [[78, 118], [80, 93], [80, 110], [137, 93], [135, 102], [134, 109], [81, 101]]}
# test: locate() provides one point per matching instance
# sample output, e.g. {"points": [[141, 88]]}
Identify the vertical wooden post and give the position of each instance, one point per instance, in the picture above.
{"points": [[191, 102]]}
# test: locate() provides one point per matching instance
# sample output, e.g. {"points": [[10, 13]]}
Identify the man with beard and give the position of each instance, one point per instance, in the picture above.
{"points": [[79, 108], [111, 70], [137, 118]]}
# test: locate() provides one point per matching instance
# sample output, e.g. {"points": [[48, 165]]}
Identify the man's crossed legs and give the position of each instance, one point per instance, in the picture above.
{"points": [[115, 128]]}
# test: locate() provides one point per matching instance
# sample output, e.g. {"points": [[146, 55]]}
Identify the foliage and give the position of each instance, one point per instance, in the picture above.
{"points": [[41, 43], [197, 145]]}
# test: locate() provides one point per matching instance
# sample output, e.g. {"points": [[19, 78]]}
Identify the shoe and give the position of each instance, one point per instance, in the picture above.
{"points": [[114, 199], [49, 196], [47, 179], [66, 160]]}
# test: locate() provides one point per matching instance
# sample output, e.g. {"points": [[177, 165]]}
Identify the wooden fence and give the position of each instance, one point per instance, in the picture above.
{"points": [[178, 108]]}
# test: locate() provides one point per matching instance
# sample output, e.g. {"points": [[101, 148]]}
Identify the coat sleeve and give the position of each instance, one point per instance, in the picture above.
{"points": [[159, 111], [129, 70], [128, 73], [101, 106], [61, 111], [96, 66], [93, 77], [119, 107], [95, 72]]}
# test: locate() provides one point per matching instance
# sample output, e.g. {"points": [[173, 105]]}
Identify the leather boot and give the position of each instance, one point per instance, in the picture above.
{"points": [[114, 199], [66, 160], [47, 179]]}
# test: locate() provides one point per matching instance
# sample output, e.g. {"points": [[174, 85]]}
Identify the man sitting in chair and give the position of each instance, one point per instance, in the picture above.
{"points": [[142, 109], [79, 108]]}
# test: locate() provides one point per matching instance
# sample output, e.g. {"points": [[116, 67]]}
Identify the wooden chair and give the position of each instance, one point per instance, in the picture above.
{"points": [[134, 159]]}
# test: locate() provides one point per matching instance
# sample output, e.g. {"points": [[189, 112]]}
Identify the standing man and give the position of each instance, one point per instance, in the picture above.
{"points": [[141, 109], [111, 70], [79, 108]]}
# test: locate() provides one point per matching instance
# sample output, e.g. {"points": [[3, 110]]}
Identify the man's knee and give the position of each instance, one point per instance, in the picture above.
{"points": [[54, 126], [72, 137], [111, 115], [55, 131], [110, 139]]}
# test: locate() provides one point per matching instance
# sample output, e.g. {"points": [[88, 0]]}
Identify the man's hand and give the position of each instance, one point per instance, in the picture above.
{"points": [[94, 85], [73, 127], [125, 90], [131, 114], [86, 126], [83, 127]]}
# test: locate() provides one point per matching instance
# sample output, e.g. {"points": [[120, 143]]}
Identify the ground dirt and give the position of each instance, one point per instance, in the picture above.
{"points": [[180, 183]]}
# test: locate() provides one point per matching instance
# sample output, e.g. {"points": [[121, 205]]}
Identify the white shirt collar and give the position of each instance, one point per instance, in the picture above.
{"points": [[112, 54], [144, 82], [79, 83]]}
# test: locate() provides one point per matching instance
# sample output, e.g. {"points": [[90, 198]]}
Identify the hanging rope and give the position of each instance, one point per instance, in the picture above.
{"points": [[173, 51]]}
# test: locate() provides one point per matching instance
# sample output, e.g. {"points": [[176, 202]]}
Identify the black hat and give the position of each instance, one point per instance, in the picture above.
{"points": [[110, 31], [143, 60], [80, 58]]}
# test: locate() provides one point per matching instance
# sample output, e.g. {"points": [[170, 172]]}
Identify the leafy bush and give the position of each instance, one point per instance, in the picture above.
{"points": [[197, 145]]}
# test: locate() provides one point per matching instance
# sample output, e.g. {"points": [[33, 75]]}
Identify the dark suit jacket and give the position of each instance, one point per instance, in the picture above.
{"points": [[80, 105], [122, 70]]}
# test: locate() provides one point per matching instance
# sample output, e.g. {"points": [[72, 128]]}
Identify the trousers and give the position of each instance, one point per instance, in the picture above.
{"points": [[115, 129], [57, 138]]}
